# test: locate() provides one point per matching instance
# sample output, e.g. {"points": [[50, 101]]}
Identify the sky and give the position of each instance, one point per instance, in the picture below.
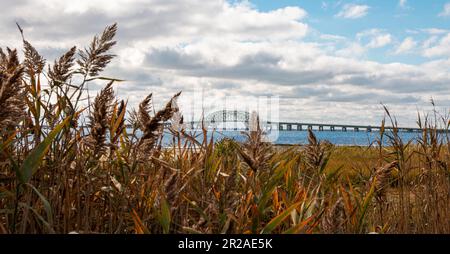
{"points": [[327, 61]]}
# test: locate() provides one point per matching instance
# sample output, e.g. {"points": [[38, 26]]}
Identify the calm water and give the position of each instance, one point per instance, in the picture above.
{"points": [[361, 138]]}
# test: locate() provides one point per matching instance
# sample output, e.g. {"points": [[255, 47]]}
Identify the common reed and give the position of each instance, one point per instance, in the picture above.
{"points": [[56, 176]]}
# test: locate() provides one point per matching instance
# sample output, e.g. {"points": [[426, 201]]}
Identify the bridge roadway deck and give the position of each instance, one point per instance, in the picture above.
{"points": [[297, 126]]}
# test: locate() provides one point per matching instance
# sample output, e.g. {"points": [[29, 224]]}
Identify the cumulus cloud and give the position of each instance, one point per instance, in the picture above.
{"points": [[232, 49], [354, 50], [353, 11], [406, 46], [439, 48], [435, 31], [380, 41], [377, 38], [446, 11]]}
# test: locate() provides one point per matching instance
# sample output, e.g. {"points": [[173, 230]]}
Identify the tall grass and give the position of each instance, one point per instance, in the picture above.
{"points": [[56, 176]]}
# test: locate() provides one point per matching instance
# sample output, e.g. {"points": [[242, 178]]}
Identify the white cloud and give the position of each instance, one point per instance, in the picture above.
{"points": [[439, 49], [377, 38], [430, 41], [354, 50], [435, 31], [332, 37], [407, 45], [446, 11], [380, 41], [353, 11], [232, 49]]}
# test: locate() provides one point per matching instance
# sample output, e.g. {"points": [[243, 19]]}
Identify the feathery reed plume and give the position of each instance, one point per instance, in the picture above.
{"points": [[8, 61], [255, 152], [99, 119], [95, 58], [334, 218], [152, 127], [171, 189], [133, 119], [12, 91], [143, 116], [380, 179], [316, 154], [3, 59], [34, 63], [61, 72], [121, 112]]}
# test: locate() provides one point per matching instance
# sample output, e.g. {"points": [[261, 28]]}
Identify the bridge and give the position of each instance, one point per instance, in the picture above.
{"points": [[215, 119]]}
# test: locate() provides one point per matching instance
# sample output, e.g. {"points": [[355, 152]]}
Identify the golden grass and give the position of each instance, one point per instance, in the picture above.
{"points": [[57, 176]]}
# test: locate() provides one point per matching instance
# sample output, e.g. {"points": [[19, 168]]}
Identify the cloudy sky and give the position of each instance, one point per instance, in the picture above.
{"points": [[328, 61]]}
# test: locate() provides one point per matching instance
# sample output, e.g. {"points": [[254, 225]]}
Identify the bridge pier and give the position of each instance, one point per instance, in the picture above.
{"points": [[280, 127], [320, 128], [369, 129], [299, 127], [344, 128], [331, 128], [289, 127], [356, 129]]}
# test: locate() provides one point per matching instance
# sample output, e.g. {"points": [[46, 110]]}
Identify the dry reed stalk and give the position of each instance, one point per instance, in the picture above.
{"points": [[171, 190], [316, 154], [99, 120], [120, 117], [334, 218], [254, 151], [380, 179]]}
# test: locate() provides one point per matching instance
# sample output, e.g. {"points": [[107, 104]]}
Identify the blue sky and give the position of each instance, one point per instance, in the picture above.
{"points": [[389, 15], [327, 61]]}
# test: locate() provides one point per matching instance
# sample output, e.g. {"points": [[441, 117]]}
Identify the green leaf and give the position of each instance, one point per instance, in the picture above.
{"points": [[281, 168], [47, 207], [31, 163], [278, 219], [106, 78], [365, 204], [164, 218], [44, 222], [331, 175]]}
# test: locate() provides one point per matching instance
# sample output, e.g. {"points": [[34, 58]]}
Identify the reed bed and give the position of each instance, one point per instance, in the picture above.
{"points": [[56, 176]]}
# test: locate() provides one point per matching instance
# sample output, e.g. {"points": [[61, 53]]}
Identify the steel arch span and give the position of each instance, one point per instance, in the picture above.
{"points": [[213, 119]]}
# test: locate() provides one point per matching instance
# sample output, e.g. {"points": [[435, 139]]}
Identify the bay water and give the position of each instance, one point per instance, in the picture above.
{"points": [[339, 138]]}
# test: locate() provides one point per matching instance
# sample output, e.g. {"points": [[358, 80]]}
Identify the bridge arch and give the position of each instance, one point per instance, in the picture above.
{"points": [[213, 119]]}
